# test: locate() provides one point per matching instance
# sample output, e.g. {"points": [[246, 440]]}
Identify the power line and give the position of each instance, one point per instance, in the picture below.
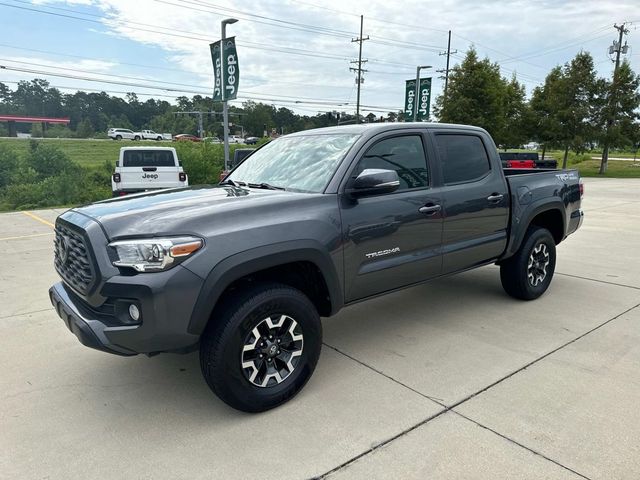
{"points": [[385, 21], [193, 35], [511, 58], [300, 101], [141, 94], [313, 28]]}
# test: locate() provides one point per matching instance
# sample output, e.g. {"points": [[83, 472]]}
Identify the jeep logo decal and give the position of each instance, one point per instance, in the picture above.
{"points": [[150, 175]]}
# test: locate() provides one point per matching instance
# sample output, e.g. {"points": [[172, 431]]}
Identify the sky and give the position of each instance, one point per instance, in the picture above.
{"points": [[297, 54]]}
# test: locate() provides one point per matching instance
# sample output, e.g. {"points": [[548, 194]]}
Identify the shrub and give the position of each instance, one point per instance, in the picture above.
{"points": [[201, 161], [48, 160], [576, 158], [47, 178], [9, 165]]}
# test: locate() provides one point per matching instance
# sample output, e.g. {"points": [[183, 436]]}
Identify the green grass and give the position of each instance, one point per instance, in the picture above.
{"points": [[615, 169], [88, 153], [591, 167]]}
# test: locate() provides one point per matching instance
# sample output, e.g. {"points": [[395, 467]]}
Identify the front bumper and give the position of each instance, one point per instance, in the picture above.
{"points": [[90, 332], [165, 300], [97, 313]]}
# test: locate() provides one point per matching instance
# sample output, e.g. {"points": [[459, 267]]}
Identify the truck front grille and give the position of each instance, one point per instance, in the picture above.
{"points": [[72, 259]]}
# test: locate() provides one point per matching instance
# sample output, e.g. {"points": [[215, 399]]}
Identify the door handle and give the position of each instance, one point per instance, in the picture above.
{"points": [[430, 210], [495, 197]]}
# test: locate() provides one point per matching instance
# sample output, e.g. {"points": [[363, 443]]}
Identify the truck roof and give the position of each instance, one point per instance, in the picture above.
{"points": [[373, 128]]}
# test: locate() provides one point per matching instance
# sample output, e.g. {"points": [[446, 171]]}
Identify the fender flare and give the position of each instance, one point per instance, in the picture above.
{"points": [[530, 212], [244, 263]]}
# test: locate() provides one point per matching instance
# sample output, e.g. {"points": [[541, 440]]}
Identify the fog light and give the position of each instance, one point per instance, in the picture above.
{"points": [[134, 312]]}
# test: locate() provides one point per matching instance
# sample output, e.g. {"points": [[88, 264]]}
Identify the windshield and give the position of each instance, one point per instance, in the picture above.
{"points": [[301, 163]]}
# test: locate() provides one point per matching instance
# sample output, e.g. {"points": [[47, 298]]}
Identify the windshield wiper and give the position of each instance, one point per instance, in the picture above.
{"points": [[234, 183], [266, 186]]}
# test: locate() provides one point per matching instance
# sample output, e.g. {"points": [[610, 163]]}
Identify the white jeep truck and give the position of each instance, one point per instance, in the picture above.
{"points": [[147, 168], [151, 135]]}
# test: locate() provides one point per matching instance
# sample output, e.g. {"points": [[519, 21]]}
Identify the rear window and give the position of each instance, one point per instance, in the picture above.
{"points": [[148, 158]]}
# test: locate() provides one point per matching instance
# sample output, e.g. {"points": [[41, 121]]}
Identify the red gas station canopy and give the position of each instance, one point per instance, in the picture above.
{"points": [[21, 119]]}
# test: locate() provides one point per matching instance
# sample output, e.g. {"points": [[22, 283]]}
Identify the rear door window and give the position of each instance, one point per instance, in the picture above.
{"points": [[148, 158], [463, 158]]}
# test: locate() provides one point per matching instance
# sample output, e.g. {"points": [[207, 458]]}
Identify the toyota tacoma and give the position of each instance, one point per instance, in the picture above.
{"points": [[304, 226]]}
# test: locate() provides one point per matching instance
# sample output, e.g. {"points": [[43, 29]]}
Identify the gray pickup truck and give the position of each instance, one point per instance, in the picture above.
{"points": [[304, 226]]}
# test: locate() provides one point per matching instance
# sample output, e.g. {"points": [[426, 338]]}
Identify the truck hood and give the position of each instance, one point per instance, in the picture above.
{"points": [[181, 211]]}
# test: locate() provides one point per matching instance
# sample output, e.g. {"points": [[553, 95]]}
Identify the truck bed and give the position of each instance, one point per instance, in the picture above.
{"points": [[531, 189]]}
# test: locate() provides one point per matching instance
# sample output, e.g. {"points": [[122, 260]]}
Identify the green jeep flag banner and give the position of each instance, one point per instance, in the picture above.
{"points": [[409, 100], [230, 69], [424, 99], [217, 71]]}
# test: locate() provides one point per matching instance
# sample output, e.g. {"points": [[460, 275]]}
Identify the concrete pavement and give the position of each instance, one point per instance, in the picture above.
{"points": [[451, 379]]}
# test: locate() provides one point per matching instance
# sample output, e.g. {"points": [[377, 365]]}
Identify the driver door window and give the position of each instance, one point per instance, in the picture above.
{"points": [[403, 154]]}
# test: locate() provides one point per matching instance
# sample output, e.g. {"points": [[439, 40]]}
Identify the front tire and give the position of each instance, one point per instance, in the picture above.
{"points": [[136, 138], [528, 274], [261, 347]]}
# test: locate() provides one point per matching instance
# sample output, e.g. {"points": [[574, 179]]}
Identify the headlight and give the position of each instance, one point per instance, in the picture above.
{"points": [[154, 254]]}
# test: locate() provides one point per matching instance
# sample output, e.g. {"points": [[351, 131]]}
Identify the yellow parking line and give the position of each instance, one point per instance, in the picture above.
{"points": [[41, 220], [26, 236]]}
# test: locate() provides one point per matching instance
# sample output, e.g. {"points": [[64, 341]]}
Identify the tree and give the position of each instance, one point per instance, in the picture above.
{"points": [[617, 117], [257, 118], [575, 101], [543, 105], [514, 130], [85, 129], [476, 96]]}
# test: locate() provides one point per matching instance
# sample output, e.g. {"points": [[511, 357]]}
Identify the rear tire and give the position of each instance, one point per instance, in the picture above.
{"points": [[118, 137], [261, 347], [528, 274]]}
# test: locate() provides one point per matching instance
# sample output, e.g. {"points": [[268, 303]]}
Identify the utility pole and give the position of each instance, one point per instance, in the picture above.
{"points": [[359, 70], [618, 48], [448, 53]]}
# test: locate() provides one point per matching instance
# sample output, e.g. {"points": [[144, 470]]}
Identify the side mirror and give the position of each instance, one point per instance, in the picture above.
{"points": [[374, 181]]}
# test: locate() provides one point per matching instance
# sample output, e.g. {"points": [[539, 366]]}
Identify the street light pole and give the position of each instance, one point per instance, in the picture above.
{"points": [[225, 108], [415, 101]]}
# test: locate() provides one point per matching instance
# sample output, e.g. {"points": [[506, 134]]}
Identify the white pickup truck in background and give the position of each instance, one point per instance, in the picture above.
{"points": [[151, 135], [147, 168]]}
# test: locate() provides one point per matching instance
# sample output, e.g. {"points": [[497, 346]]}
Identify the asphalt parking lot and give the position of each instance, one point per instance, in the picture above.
{"points": [[451, 379]]}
